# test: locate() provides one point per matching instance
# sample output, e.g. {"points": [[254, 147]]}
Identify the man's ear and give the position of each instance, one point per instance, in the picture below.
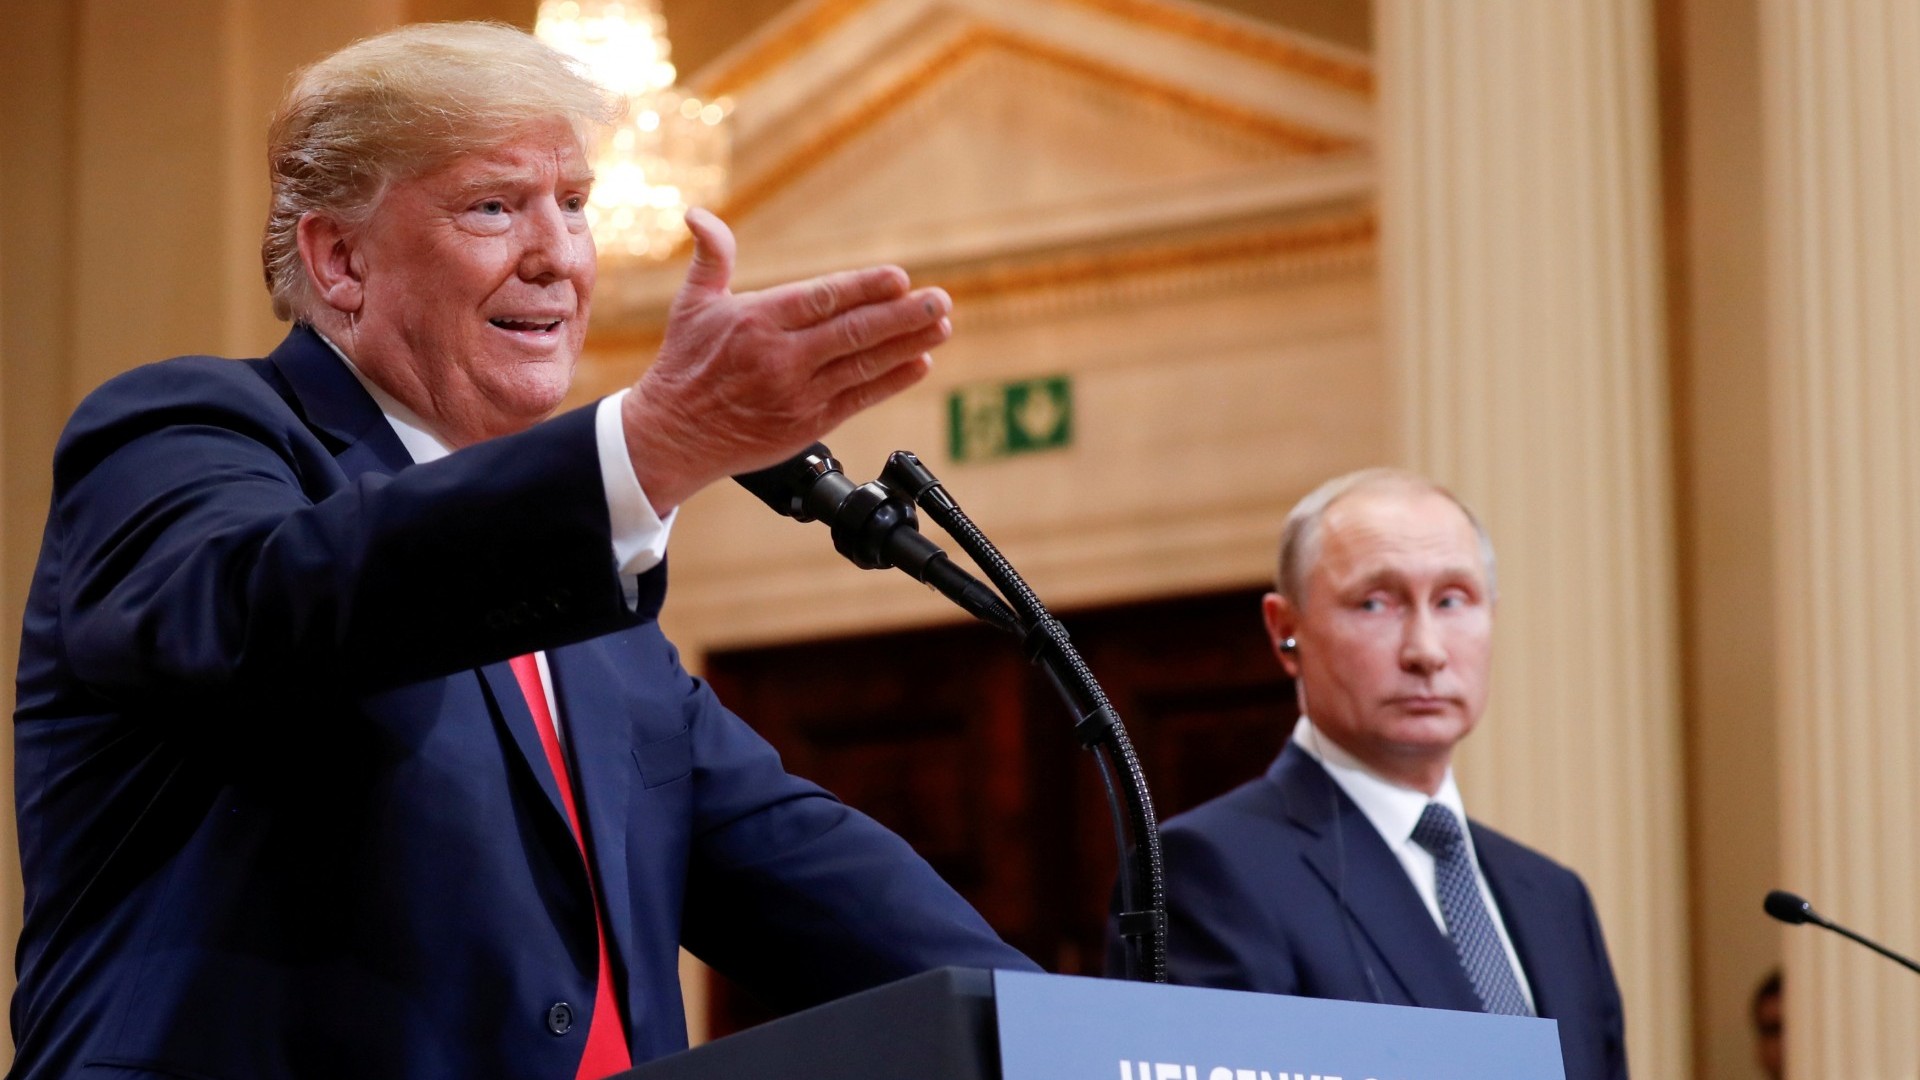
{"points": [[333, 264], [1283, 623]]}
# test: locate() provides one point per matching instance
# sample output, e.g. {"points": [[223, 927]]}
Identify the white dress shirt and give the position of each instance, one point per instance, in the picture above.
{"points": [[1394, 811]]}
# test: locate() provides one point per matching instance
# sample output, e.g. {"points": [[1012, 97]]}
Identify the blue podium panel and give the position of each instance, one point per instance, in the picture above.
{"points": [[1054, 1027]]}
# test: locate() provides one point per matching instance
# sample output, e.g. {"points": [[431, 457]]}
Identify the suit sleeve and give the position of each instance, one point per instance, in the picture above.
{"points": [[800, 898], [211, 544], [1612, 1017]]}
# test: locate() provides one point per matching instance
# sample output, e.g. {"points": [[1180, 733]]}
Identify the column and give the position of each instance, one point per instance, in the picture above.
{"points": [[1522, 279], [1841, 87]]}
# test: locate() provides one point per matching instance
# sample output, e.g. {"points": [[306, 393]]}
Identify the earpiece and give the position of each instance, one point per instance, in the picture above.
{"points": [[1289, 645]]}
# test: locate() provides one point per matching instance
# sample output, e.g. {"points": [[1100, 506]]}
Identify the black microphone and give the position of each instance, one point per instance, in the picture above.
{"points": [[874, 526], [1793, 911]]}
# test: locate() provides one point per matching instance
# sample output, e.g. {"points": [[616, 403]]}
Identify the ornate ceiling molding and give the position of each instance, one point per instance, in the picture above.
{"points": [[1236, 37], [1277, 243], [1078, 278], [812, 22]]}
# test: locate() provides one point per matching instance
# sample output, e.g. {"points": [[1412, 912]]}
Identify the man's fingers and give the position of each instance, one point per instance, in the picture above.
{"points": [[712, 265], [872, 363], [807, 303], [872, 324], [872, 392]]}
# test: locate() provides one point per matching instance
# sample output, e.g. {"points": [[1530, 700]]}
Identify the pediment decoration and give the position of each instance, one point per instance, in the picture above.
{"points": [[1003, 146]]}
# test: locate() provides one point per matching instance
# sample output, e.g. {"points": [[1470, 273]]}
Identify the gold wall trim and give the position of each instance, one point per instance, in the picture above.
{"points": [[1274, 52], [1288, 136], [1233, 37], [1074, 267], [755, 63], [1079, 268]]}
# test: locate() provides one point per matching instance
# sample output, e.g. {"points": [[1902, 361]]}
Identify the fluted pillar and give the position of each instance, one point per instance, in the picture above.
{"points": [[1842, 134], [1523, 289]]}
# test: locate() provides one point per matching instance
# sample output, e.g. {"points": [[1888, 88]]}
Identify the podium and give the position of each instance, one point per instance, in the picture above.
{"points": [[964, 1024]]}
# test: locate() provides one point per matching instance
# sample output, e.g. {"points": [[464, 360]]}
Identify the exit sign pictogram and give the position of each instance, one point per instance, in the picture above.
{"points": [[997, 420]]}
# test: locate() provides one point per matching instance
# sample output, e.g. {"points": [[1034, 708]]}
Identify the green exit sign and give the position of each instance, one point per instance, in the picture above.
{"points": [[996, 420]]}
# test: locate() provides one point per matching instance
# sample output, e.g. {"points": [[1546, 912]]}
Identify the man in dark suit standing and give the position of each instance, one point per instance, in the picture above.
{"points": [[1349, 870], [347, 742]]}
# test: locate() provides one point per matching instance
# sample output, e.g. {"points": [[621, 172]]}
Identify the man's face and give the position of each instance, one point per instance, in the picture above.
{"points": [[1769, 1013], [476, 281], [1393, 646]]}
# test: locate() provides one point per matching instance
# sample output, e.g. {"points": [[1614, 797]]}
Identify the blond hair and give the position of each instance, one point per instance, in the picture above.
{"points": [[1300, 536], [398, 105]]}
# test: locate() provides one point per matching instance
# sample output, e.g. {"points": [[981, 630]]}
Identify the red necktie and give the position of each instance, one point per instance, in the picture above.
{"points": [[607, 1051]]}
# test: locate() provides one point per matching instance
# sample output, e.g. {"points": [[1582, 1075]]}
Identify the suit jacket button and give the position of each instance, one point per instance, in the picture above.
{"points": [[560, 1018]]}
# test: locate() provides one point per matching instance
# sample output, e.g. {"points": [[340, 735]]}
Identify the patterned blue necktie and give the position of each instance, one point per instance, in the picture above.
{"points": [[1468, 923]]}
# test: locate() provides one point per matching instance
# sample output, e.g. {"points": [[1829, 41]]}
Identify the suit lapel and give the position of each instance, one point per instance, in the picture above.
{"points": [[1348, 854], [334, 404], [1536, 936], [516, 721], [585, 680]]}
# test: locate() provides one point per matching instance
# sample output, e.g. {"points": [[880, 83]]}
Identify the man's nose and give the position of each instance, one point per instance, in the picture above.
{"points": [[1421, 650], [553, 249]]}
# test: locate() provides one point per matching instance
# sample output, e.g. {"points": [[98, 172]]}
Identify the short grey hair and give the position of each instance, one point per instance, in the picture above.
{"points": [[1300, 536], [398, 105]]}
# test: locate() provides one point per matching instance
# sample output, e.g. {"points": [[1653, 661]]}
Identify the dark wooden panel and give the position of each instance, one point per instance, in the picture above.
{"points": [[947, 737]]}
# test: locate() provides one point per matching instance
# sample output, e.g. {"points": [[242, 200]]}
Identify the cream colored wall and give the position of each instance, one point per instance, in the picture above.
{"points": [[35, 340], [170, 102], [10, 899], [1841, 93], [1524, 297]]}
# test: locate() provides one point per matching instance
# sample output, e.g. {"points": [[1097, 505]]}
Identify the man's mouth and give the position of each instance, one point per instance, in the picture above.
{"points": [[528, 326]]}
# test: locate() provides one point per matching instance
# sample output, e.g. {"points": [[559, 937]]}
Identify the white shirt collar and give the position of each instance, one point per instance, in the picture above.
{"points": [[415, 435], [1392, 808]]}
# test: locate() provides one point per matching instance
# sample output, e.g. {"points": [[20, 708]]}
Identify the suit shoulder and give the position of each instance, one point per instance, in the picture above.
{"points": [[1254, 805], [182, 380], [183, 390], [1497, 847]]}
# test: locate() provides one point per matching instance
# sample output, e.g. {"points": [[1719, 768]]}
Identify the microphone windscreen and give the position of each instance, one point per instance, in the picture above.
{"points": [[1788, 908]]}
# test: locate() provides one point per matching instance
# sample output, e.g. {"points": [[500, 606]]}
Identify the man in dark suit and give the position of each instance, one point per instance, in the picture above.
{"points": [[347, 743], [1344, 872]]}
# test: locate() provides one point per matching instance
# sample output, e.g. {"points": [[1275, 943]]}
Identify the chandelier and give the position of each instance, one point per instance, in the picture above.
{"points": [[668, 153]]}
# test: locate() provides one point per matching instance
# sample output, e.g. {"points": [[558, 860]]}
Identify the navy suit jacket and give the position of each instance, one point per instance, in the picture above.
{"points": [[283, 810], [1283, 886]]}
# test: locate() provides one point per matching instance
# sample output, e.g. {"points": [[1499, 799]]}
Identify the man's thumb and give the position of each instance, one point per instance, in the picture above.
{"points": [[712, 265]]}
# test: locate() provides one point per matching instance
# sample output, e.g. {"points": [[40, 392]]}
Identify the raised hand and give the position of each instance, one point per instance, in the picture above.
{"points": [[745, 380]]}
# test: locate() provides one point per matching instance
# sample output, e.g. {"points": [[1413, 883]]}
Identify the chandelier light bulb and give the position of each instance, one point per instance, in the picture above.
{"points": [[668, 152]]}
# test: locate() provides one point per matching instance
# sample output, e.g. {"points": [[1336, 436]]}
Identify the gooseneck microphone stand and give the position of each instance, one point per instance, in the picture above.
{"points": [[1143, 927], [875, 527]]}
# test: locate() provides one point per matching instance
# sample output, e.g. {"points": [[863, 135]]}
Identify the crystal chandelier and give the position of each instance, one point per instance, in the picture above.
{"points": [[669, 151]]}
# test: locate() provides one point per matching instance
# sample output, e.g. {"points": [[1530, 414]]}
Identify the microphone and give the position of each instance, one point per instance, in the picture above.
{"points": [[874, 526], [1790, 909], [1793, 911], [789, 486]]}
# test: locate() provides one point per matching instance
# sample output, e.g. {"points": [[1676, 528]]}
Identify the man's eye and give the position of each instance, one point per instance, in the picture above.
{"points": [[1373, 603], [492, 207], [575, 204]]}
